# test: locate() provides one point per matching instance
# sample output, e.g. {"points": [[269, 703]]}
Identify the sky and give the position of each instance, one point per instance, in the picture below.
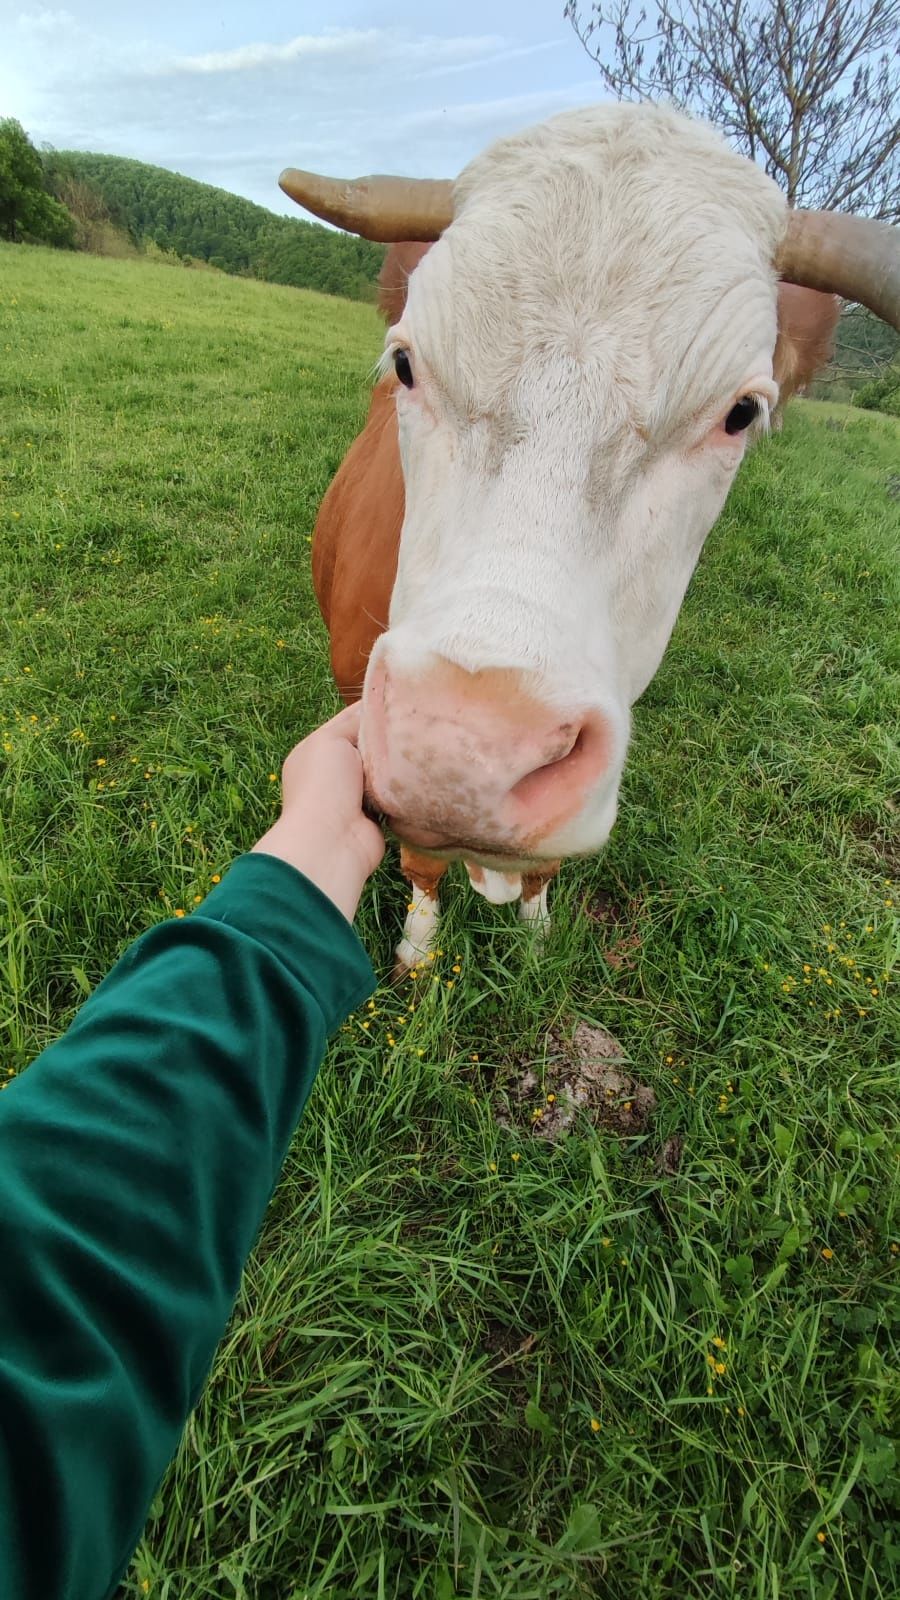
{"points": [[231, 94]]}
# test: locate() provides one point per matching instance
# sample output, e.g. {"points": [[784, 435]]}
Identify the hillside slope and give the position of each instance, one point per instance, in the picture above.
{"points": [[196, 219]]}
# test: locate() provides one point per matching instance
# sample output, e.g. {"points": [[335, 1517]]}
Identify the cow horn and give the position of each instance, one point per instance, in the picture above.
{"points": [[855, 257], [384, 209]]}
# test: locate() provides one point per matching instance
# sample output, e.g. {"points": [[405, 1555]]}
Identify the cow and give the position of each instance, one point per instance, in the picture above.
{"points": [[585, 333]]}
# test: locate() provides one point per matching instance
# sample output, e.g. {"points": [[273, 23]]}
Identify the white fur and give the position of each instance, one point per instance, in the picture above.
{"points": [[604, 295], [419, 930], [498, 888], [536, 912]]}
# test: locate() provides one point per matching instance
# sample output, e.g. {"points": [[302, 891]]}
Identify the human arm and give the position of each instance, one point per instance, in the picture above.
{"points": [[137, 1157]]}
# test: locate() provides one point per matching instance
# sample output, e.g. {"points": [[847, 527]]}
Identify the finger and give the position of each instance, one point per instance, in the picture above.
{"points": [[345, 725]]}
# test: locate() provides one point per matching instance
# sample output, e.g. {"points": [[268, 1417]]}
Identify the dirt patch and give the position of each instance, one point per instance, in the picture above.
{"points": [[584, 1074], [882, 841], [616, 924], [604, 909], [506, 1345]]}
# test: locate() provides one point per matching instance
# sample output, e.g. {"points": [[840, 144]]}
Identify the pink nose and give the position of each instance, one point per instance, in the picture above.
{"points": [[474, 759]]}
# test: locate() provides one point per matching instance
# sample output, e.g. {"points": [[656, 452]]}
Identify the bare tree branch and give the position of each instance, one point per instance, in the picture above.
{"points": [[809, 89]]}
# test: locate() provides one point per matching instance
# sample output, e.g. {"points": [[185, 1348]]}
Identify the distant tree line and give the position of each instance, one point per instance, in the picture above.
{"points": [[196, 220], [114, 206]]}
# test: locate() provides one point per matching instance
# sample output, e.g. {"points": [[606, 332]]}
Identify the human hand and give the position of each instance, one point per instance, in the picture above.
{"points": [[322, 829]]}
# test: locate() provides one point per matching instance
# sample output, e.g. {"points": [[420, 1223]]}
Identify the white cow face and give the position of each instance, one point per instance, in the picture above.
{"points": [[582, 361]]}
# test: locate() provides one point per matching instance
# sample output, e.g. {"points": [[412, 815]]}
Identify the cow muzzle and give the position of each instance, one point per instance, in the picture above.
{"points": [[475, 762]]}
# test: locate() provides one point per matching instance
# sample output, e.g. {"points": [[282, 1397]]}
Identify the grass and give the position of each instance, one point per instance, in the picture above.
{"points": [[464, 1361]]}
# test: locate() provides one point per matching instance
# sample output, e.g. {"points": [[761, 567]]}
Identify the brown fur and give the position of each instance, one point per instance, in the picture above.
{"points": [[357, 537], [807, 321], [400, 261], [534, 883], [422, 871]]}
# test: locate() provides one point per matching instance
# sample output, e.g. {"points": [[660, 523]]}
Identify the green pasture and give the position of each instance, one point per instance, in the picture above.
{"points": [[468, 1361]]}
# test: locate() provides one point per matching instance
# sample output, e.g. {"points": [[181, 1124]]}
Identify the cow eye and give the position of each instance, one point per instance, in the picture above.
{"points": [[403, 368], [742, 413]]}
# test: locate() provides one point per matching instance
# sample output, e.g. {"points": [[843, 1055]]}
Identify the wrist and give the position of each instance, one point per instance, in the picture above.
{"points": [[336, 871]]}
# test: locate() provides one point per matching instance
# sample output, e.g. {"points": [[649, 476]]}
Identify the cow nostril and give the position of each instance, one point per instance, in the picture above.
{"points": [[568, 746], [556, 788], [550, 774]]}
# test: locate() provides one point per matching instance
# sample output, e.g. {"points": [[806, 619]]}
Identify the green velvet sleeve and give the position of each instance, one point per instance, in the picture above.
{"points": [[137, 1157]]}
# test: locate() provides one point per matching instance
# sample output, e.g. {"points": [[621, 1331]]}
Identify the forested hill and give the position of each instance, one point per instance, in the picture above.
{"points": [[195, 219]]}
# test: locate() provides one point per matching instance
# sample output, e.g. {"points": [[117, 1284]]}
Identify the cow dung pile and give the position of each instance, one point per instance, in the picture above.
{"points": [[583, 1074]]}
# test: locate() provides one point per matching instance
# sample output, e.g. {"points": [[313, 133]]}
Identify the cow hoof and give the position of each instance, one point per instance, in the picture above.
{"points": [[406, 961]]}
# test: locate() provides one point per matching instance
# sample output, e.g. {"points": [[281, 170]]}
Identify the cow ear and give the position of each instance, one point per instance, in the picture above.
{"points": [[806, 324], [400, 261]]}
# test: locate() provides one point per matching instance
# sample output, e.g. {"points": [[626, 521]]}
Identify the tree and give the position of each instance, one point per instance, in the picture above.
{"points": [[882, 394], [96, 225], [26, 209], [810, 89]]}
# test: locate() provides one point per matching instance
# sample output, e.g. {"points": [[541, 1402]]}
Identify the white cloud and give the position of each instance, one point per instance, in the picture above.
{"points": [[249, 57], [500, 58], [369, 43]]}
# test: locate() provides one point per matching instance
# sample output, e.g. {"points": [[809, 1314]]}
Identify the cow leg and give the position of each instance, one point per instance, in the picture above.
{"points": [[533, 908], [423, 911]]}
